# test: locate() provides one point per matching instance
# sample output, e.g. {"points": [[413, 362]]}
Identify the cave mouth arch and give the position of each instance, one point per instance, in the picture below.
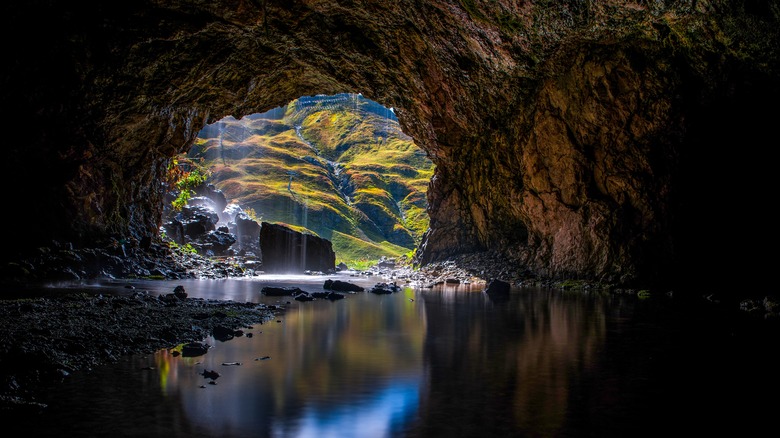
{"points": [[563, 149], [337, 166]]}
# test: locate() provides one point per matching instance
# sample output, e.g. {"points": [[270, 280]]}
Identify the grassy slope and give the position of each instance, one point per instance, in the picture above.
{"points": [[252, 160], [352, 250]]}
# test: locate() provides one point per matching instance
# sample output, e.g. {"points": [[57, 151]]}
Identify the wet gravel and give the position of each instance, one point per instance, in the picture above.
{"points": [[43, 340]]}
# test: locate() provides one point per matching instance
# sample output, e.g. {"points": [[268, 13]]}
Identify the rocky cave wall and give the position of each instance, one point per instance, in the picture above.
{"points": [[621, 141]]}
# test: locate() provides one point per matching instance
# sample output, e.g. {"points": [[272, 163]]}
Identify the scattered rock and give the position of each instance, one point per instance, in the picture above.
{"points": [[222, 333], [179, 292], [304, 296], [385, 288], [330, 295], [273, 291], [213, 375], [342, 286], [194, 349], [45, 333]]}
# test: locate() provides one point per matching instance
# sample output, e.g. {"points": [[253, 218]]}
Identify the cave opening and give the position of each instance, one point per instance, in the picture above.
{"points": [[335, 166]]}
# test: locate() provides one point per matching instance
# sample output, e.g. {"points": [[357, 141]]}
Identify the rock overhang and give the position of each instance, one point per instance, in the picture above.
{"points": [[565, 137]]}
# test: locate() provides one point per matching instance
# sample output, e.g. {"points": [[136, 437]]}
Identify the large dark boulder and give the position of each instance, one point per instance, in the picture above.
{"points": [[277, 291], [342, 286], [198, 220], [196, 224], [217, 242], [284, 250], [498, 287]]}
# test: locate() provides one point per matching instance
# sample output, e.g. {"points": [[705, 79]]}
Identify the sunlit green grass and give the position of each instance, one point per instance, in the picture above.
{"points": [[264, 165], [351, 250]]}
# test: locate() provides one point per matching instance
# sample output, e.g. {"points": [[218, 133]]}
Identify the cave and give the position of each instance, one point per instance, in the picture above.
{"points": [[618, 141]]}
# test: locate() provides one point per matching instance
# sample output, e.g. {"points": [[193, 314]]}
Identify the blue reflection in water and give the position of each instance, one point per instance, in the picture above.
{"points": [[436, 362], [352, 367], [380, 415]]}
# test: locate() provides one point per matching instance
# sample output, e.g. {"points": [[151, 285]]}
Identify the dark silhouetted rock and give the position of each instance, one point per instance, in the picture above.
{"points": [[179, 292], [223, 334], [497, 287], [342, 286], [273, 291], [287, 251], [194, 349], [174, 229], [303, 296], [213, 375], [385, 288], [328, 295]]}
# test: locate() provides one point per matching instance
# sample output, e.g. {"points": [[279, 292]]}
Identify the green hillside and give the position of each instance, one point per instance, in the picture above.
{"points": [[338, 166]]}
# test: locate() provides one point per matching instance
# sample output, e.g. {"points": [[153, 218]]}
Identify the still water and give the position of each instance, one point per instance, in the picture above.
{"points": [[442, 362]]}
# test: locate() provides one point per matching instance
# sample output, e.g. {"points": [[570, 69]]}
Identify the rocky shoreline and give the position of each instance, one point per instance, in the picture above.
{"points": [[45, 339]]}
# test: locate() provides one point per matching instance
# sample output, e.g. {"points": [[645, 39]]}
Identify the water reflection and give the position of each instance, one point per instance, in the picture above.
{"points": [[350, 367], [325, 360], [448, 361], [382, 414], [512, 361]]}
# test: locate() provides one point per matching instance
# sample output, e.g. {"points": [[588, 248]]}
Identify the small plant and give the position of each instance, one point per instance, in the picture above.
{"points": [[187, 248], [644, 293], [181, 200], [252, 214], [362, 264], [572, 284], [185, 174]]}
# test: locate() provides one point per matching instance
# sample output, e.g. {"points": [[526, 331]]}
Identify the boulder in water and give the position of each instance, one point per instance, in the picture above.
{"points": [[497, 287], [194, 349], [342, 286], [274, 291]]}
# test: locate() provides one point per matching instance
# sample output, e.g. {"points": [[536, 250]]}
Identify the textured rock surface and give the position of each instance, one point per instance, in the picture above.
{"points": [[621, 141]]}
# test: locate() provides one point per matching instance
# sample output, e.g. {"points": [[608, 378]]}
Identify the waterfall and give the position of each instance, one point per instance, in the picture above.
{"points": [[221, 146]]}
